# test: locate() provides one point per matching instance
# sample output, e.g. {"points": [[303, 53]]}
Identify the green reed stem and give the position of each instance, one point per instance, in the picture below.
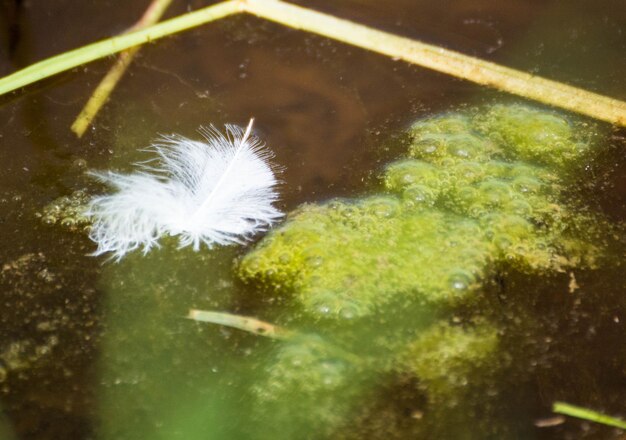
{"points": [[587, 414], [110, 46]]}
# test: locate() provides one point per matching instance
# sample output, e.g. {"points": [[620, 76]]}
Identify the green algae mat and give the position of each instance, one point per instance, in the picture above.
{"points": [[476, 193], [472, 192]]}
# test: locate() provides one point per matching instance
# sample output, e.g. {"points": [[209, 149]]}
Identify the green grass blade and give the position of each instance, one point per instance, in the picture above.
{"points": [[587, 414], [91, 52]]}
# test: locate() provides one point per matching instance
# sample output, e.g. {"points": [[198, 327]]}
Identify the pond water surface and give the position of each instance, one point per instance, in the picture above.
{"points": [[94, 349]]}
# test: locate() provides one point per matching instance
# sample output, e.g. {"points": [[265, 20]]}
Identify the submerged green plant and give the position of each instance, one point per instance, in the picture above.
{"points": [[328, 382], [447, 358]]}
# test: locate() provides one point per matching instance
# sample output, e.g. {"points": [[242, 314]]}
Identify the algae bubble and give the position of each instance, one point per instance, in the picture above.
{"points": [[501, 198]]}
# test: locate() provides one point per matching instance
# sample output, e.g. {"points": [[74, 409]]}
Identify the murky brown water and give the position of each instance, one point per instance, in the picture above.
{"points": [[73, 357]]}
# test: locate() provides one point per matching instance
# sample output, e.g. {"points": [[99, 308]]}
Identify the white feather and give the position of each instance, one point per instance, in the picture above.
{"points": [[215, 192]]}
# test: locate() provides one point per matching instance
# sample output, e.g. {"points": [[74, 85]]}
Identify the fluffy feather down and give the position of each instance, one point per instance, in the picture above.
{"points": [[215, 192]]}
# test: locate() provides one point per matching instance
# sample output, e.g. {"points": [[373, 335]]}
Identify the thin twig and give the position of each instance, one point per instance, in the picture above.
{"points": [[433, 57], [105, 88], [244, 323]]}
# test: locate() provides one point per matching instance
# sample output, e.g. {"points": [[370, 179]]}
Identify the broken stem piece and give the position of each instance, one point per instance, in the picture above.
{"points": [[103, 91], [262, 328], [244, 323]]}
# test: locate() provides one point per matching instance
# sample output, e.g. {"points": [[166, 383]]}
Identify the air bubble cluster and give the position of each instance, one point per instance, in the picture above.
{"points": [[68, 211]]}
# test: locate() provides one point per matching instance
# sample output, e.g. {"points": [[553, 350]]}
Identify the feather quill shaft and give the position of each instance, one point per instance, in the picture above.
{"points": [[217, 192], [244, 138]]}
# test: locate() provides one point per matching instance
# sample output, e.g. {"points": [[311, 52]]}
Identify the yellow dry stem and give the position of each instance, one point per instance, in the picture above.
{"points": [[244, 323], [443, 60], [105, 88]]}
